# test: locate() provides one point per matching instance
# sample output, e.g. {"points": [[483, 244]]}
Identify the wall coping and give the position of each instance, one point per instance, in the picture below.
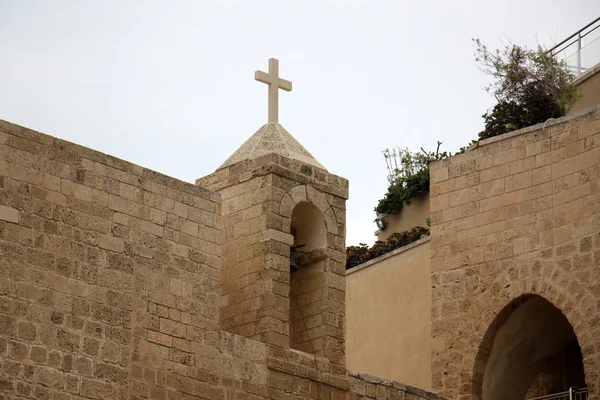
{"points": [[388, 255], [541, 126], [472, 154], [108, 160], [587, 74]]}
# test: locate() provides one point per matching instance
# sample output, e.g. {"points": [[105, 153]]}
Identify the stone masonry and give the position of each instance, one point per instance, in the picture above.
{"points": [[116, 281], [259, 194], [519, 215]]}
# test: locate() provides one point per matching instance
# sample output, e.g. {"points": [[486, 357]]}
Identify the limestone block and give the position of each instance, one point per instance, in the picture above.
{"points": [[451, 213], [459, 197], [9, 214], [49, 377], [563, 168], [317, 198], [439, 175], [111, 243], [287, 206], [298, 194], [454, 170], [82, 192], [505, 157], [484, 162], [331, 222], [447, 186], [273, 234]]}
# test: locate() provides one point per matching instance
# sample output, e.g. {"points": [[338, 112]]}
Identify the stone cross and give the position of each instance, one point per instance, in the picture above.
{"points": [[275, 83]]}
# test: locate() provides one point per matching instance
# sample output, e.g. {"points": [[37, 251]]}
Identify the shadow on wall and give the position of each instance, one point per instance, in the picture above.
{"points": [[529, 350]]}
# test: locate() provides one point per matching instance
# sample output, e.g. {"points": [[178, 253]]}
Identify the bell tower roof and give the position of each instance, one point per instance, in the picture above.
{"points": [[272, 138]]}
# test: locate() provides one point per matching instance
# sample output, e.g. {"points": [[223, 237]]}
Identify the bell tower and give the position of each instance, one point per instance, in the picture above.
{"points": [[278, 201]]}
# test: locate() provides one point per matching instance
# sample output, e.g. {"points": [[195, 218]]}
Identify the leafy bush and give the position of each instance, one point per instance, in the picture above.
{"points": [[530, 86], [404, 163], [408, 174], [356, 255], [403, 191]]}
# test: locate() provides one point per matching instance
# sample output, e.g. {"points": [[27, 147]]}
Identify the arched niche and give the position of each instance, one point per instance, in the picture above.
{"points": [[530, 350], [307, 282], [308, 227]]}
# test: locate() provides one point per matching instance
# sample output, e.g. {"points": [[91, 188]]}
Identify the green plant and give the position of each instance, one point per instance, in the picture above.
{"points": [[403, 163], [408, 174], [464, 149], [356, 255], [530, 86]]}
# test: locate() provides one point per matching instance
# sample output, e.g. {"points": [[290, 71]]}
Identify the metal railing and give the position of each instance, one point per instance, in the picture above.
{"points": [[571, 394], [581, 50]]}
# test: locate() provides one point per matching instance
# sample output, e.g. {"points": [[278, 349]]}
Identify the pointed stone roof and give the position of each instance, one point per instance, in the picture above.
{"points": [[272, 138]]}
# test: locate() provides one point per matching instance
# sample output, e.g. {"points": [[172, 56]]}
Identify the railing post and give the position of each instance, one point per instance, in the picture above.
{"points": [[579, 53], [571, 393]]}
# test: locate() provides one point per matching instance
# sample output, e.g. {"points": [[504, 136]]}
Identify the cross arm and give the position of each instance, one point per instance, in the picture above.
{"points": [[285, 85], [268, 79], [262, 77]]}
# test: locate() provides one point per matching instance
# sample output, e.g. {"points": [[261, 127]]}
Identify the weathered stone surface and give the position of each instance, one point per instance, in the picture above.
{"points": [[258, 296], [272, 138], [9, 214], [527, 227], [115, 280]]}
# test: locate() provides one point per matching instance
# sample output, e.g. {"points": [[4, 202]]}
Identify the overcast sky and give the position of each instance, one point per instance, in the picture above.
{"points": [[170, 85]]}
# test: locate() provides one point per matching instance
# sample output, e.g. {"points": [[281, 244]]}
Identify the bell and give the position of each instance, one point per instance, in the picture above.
{"points": [[293, 263]]}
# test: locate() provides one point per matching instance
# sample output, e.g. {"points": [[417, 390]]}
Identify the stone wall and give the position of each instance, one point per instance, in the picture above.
{"points": [[519, 215], [307, 323], [108, 271], [110, 289]]}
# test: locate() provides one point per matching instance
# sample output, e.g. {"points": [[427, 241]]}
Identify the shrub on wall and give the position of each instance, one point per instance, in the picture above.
{"points": [[531, 86], [408, 175], [356, 255], [403, 191]]}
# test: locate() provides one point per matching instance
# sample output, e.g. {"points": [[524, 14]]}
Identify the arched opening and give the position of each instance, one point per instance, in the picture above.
{"points": [[307, 283], [530, 350]]}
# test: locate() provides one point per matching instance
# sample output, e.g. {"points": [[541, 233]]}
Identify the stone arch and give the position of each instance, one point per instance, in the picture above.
{"points": [[507, 293], [308, 227], [304, 193], [309, 216], [517, 348], [324, 318]]}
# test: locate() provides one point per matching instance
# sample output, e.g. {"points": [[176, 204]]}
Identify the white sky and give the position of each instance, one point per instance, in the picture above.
{"points": [[169, 84]]}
